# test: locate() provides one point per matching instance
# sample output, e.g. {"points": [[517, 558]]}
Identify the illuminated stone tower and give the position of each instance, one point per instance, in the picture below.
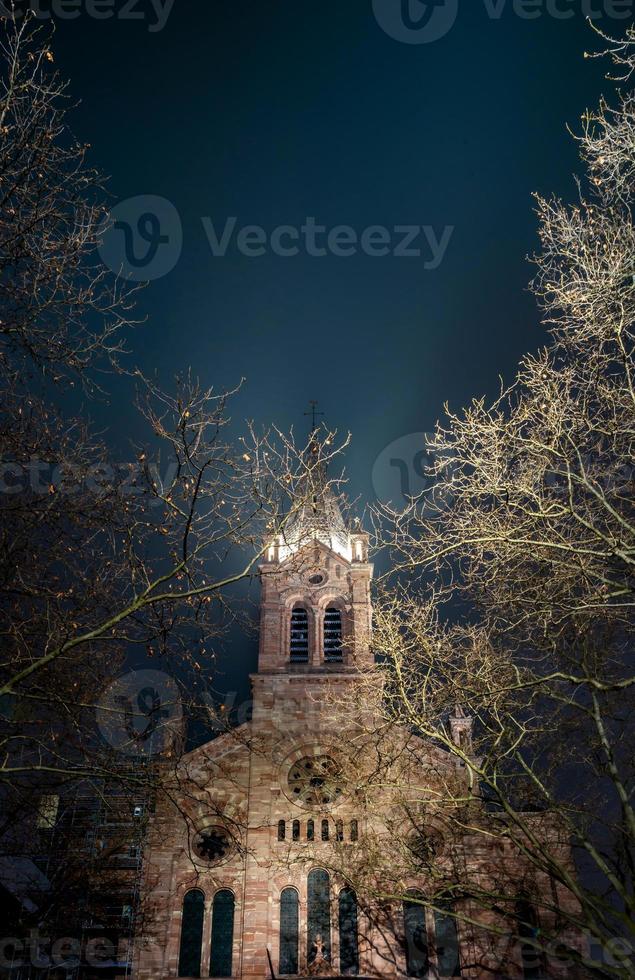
{"points": [[249, 853], [315, 625]]}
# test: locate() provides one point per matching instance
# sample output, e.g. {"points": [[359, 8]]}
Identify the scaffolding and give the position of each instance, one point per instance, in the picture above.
{"points": [[88, 845]]}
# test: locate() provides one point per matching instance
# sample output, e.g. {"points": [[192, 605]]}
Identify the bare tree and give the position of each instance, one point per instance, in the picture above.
{"points": [[103, 565], [63, 312], [528, 528], [532, 501]]}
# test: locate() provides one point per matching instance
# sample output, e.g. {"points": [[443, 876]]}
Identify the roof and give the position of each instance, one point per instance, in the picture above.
{"points": [[318, 519]]}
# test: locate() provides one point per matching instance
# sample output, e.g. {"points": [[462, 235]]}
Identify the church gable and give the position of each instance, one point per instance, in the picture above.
{"points": [[273, 842]]}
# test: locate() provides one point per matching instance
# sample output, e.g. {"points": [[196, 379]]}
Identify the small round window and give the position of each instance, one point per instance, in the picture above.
{"points": [[212, 844], [315, 781]]}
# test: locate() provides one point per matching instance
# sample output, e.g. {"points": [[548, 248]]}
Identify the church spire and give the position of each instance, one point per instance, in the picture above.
{"points": [[319, 518]]}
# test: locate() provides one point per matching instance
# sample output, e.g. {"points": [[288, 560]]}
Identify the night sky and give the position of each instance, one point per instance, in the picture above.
{"points": [[276, 111]]}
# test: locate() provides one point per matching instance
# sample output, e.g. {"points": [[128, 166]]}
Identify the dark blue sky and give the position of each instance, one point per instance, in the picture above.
{"points": [[272, 112]]}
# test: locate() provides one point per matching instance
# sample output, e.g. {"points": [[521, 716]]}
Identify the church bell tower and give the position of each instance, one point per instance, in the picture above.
{"points": [[315, 626]]}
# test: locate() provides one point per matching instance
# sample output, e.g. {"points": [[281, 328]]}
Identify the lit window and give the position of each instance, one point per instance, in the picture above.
{"points": [[47, 811]]}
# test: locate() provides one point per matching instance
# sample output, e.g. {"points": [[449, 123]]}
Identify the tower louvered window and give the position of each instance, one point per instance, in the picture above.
{"points": [[289, 930], [333, 636], [222, 934], [299, 641], [191, 934]]}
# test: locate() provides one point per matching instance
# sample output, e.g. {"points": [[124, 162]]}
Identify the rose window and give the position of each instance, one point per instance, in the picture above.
{"points": [[315, 781], [212, 844]]}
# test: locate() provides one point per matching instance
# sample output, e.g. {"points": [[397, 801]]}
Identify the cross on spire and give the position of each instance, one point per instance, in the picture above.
{"points": [[313, 413]]}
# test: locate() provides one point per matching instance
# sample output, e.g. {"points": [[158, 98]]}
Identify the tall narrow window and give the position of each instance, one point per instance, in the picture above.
{"points": [[325, 830], [191, 934], [339, 830], [447, 945], [220, 964], [333, 636], [47, 811], [299, 639], [289, 920], [349, 954], [354, 830], [282, 830], [319, 915], [416, 938], [296, 830], [532, 958], [310, 830]]}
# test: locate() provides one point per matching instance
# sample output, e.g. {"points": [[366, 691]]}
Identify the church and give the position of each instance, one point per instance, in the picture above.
{"points": [[257, 854]]}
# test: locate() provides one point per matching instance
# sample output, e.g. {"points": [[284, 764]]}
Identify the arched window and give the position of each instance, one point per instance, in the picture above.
{"points": [[416, 939], [319, 914], [282, 830], [447, 945], [289, 920], [220, 964], [532, 958], [339, 830], [333, 636], [310, 830], [191, 934], [349, 955], [299, 637], [325, 830], [354, 830], [296, 830]]}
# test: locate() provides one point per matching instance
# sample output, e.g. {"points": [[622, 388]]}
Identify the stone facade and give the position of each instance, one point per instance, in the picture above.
{"points": [[273, 801]]}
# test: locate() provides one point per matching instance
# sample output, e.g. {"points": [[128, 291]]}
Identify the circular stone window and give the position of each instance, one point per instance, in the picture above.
{"points": [[316, 579], [425, 847], [212, 844], [315, 781]]}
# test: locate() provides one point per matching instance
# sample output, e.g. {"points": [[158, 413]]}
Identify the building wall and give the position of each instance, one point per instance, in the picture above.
{"points": [[241, 781]]}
